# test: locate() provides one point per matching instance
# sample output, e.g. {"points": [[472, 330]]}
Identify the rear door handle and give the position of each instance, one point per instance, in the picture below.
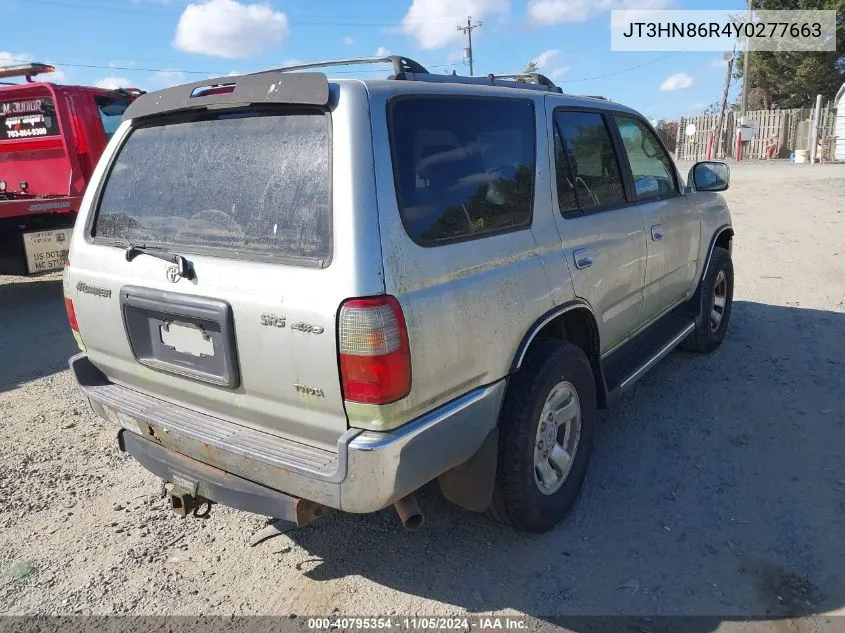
{"points": [[583, 257], [657, 232]]}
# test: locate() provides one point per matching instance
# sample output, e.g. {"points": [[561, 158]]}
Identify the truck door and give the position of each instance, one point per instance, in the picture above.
{"points": [[672, 226], [602, 233]]}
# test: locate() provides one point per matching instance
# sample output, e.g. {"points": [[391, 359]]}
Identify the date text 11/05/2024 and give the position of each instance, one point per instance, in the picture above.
{"points": [[513, 623]]}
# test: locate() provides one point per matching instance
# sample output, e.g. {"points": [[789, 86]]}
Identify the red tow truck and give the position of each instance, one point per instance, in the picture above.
{"points": [[51, 137]]}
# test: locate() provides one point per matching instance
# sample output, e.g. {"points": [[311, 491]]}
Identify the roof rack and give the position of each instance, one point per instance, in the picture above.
{"points": [[401, 64], [25, 70], [405, 68]]}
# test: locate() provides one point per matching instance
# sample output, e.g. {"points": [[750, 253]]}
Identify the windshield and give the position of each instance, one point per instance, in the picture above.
{"points": [[239, 185]]}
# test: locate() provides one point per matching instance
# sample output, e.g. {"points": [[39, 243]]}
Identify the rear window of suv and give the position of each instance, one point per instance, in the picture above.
{"points": [[248, 185], [464, 166]]}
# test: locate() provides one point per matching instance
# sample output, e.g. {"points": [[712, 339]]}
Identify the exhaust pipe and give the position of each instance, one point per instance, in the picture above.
{"points": [[409, 513]]}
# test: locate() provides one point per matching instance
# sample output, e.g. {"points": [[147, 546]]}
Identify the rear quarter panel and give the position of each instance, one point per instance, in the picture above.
{"points": [[467, 305]]}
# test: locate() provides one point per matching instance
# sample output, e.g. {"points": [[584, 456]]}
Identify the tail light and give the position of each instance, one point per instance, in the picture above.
{"points": [[71, 315], [375, 358], [71, 312]]}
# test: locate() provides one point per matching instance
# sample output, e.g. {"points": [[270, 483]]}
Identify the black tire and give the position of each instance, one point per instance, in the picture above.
{"points": [[517, 498], [706, 338]]}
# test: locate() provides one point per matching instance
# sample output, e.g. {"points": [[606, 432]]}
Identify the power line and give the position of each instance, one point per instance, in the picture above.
{"points": [[196, 72], [624, 70]]}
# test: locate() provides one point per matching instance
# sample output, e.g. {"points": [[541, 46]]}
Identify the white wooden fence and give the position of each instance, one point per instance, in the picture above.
{"points": [[784, 123]]}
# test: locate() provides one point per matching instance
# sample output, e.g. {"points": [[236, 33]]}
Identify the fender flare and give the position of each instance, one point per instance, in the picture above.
{"points": [[692, 305], [544, 320], [716, 234], [725, 228]]}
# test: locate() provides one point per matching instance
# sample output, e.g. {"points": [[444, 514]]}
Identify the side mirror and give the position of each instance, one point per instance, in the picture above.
{"points": [[710, 175]]}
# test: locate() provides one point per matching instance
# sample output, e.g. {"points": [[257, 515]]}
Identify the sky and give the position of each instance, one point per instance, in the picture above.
{"points": [[152, 44]]}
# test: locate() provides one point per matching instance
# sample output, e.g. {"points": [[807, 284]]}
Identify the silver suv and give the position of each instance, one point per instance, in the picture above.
{"points": [[294, 293]]}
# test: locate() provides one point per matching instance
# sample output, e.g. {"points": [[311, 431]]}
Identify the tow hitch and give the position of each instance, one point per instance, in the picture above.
{"points": [[296, 512], [183, 503]]}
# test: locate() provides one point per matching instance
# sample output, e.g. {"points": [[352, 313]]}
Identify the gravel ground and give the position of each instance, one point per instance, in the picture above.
{"points": [[717, 486]]}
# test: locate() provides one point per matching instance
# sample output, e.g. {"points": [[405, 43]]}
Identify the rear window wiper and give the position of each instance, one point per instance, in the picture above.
{"points": [[183, 266]]}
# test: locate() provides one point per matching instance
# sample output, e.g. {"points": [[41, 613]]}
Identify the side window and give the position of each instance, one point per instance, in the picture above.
{"points": [[464, 167], [111, 111], [592, 160], [651, 166], [566, 197]]}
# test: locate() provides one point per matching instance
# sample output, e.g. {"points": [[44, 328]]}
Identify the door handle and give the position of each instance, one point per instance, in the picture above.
{"points": [[657, 232], [583, 258]]}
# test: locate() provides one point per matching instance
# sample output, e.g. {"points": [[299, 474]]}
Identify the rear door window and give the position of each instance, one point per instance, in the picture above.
{"points": [[589, 162], [567, 198], [244, 185], [464, 166]]}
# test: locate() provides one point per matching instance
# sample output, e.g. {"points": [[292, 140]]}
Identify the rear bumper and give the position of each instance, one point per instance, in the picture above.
{"points": [[38, 206], [368, 471]]}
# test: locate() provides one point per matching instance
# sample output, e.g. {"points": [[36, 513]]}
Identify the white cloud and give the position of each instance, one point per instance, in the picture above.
{"points": [[678, 81], [58, 76], [545, 57], [8, 58], [430, 22], [544, 60], [227, 28], [112, 83], [381, 51], [558, 73], [548, 12], [456, 56], [349, 41], [166, 78], [719, 63]]}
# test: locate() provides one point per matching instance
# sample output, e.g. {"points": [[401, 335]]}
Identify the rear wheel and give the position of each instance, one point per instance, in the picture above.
{"points": [[546, 433], [717, 292]]}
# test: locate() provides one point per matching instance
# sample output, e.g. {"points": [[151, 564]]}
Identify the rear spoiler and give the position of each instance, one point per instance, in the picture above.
{"points": [[270, 86]]}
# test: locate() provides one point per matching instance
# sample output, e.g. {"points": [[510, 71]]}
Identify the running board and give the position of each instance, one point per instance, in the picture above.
{"points": [[624, 367]]}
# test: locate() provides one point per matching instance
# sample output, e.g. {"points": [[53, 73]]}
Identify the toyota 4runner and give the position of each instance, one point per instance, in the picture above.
{"points": [[294, 293]]}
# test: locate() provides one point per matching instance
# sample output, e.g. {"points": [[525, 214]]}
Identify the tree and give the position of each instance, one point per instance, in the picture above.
{"points": [[792, 79], [668, 132], [714, 107], [531, 67]]}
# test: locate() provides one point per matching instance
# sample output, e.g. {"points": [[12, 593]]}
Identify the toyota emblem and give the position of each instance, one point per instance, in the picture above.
{"points": [[173, 274]]}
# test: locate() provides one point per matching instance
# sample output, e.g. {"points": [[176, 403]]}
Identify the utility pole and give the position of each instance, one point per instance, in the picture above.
{"points": [[468, 29], [721, 118], [746, 70]]}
